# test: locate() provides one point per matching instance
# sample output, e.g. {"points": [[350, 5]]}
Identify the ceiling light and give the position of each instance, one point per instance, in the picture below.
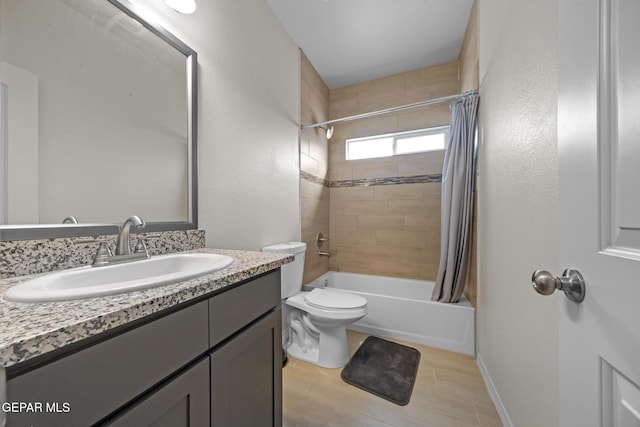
{"points": [[182, 6]]}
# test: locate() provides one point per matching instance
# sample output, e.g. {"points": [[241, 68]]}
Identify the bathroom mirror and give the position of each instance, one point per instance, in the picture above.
{"points": [[97, 120]]}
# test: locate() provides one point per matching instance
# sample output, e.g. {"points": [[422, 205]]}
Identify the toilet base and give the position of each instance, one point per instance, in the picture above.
{"points": [[331, 350]]}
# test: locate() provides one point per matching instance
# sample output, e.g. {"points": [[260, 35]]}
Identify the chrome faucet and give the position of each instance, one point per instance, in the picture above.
{"points": [[104, 255], [123, 245]]}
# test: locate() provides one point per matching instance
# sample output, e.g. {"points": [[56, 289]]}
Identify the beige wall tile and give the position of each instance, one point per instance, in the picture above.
{"points": [[340, 171], [342, 223], [352, 193], [421, 223], [314, 159], [411, 207], [432, 191], [398, 192], [431, 116], [307, 164], [311, 190], [403, 239], [314, 215], [378, 125], [377, 222], [430, 164], [337, 152], [379, 170], [314, 265], [359, 207], [354, 239]]}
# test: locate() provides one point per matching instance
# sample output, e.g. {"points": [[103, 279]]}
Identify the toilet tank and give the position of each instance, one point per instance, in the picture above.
{"points": [[291, 274]]}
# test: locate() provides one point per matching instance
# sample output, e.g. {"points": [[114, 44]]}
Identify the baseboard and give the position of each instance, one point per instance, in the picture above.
{"points": [[504, 416]]}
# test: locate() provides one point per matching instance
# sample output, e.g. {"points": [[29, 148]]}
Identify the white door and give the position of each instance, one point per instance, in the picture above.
{"points": [[599, 210]]}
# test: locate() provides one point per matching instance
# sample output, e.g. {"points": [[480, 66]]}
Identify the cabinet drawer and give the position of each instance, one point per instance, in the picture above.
{"points": [[95, 381], [234, 309]]}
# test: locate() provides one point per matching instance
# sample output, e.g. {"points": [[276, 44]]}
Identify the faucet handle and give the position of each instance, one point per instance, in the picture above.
{"points": [[141, 248], [102, 254]]}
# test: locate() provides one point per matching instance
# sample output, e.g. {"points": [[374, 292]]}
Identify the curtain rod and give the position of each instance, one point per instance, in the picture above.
{"points": [[391, 110]]}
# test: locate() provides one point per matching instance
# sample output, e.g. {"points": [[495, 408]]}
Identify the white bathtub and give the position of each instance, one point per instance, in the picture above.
{"points": [[402, 309]]}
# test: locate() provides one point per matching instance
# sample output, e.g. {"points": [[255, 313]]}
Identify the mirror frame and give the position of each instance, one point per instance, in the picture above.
{"points": [[48, 231]]}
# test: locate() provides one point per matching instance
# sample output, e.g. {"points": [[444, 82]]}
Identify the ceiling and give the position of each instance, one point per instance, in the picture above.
{"points": [[352, 41]]}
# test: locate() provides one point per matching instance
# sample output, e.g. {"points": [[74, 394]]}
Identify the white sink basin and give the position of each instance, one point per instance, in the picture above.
{"points": [[85, 282]]}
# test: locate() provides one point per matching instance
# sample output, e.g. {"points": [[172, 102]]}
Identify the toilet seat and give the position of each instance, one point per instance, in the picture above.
{"points": [[334, 300], [300, 301]]}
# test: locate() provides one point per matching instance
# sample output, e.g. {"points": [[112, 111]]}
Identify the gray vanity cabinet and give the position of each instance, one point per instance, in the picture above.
{"points": [[215, 362]]}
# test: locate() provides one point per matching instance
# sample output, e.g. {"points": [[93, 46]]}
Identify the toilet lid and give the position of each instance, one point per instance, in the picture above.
{"points": [[324, 298]]}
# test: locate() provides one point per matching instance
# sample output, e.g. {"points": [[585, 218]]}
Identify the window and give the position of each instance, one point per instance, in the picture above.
{"points": [[415, 141]]}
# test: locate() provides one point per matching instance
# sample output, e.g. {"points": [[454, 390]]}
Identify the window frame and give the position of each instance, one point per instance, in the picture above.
{"points": [[400, 135]]}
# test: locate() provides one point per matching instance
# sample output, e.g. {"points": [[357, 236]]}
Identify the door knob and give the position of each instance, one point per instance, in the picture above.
{"points": [[571, 282]]}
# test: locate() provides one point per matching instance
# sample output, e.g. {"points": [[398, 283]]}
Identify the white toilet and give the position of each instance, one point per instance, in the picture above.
{"points": [[314, 323]]}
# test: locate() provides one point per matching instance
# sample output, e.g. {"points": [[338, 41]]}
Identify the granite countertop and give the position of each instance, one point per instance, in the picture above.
{"points": [[29, 330]]}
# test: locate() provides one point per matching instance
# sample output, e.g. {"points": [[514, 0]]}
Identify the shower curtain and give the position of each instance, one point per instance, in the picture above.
{"points": [[458, 175]]}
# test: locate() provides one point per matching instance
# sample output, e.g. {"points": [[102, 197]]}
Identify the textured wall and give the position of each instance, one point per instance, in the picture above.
{"points": [[518, 192], [249, 97]]}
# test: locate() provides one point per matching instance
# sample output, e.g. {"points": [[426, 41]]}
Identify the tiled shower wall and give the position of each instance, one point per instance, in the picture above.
{"points": [[314, 166], [382, 215], [385, 213]]}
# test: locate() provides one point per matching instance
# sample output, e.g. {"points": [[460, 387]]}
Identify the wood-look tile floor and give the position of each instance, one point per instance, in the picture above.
{"points": [[449, 392]]}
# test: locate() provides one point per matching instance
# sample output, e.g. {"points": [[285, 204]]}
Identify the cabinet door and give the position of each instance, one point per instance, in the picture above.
{"points": [[246, 377], [182, 402]]}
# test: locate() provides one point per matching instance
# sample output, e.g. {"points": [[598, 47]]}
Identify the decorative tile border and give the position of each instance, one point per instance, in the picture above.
{"points": [[314, 179], [393, 180]]}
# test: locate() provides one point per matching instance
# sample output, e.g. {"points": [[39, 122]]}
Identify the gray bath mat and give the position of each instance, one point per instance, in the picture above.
{"points": [[383, 368]]}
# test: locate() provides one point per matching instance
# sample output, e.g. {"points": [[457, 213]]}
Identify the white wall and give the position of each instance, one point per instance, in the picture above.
{"points": [[517, 205], [249, 99]]}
